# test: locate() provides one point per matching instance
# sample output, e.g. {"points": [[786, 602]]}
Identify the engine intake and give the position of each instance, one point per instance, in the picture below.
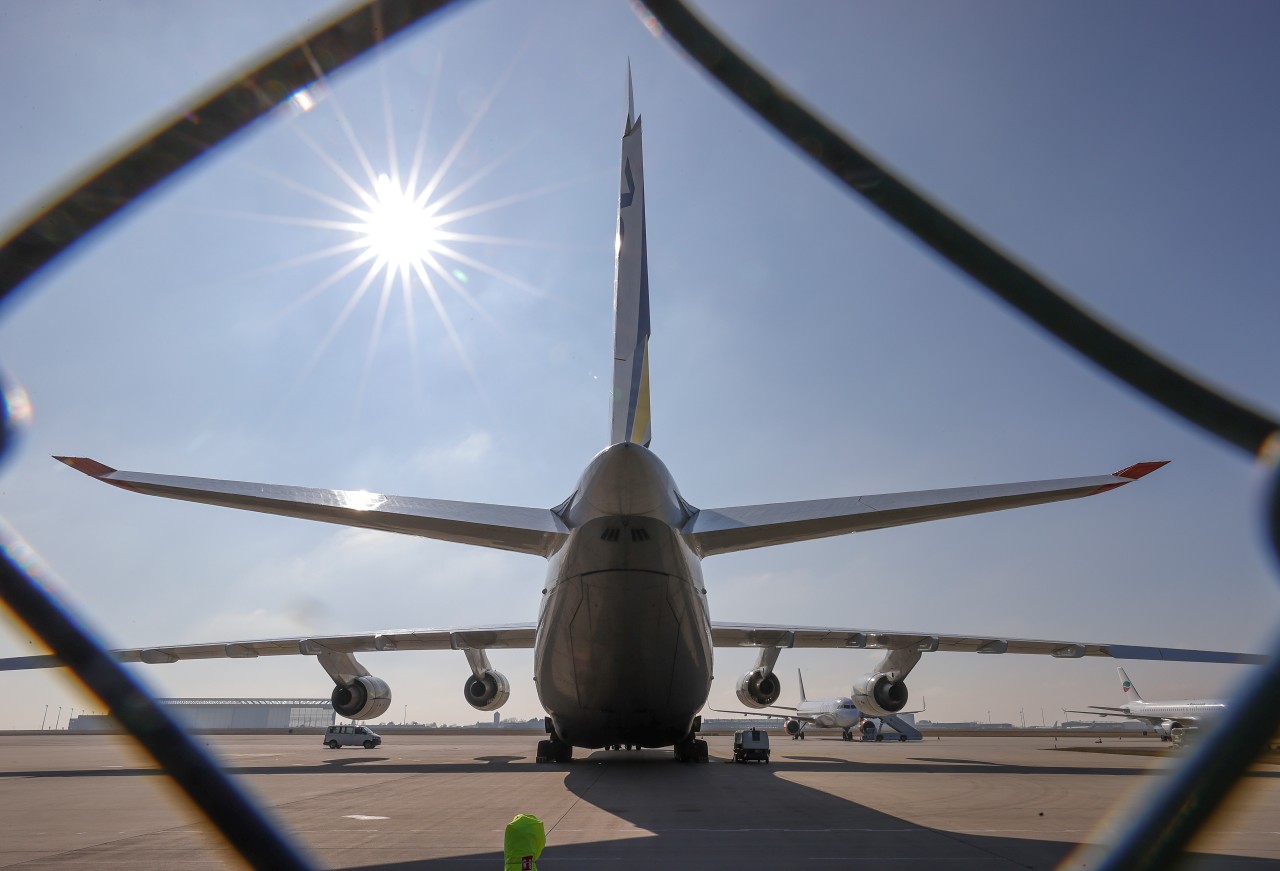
{"points": [[758, 689], [487, 693], [879, 696], [366, 698]]}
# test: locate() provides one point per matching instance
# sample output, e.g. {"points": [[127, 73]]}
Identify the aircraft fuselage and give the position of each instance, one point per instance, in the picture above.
{"points": [[623, 652]]}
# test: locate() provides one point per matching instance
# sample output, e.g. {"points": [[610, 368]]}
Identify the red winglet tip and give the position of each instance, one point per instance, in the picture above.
{"points": [[1140, 470], [92, 468]]}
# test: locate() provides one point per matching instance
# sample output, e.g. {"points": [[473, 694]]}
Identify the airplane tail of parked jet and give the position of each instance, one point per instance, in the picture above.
{"points": [[630, 421], [800, 680], [1130, 691]]}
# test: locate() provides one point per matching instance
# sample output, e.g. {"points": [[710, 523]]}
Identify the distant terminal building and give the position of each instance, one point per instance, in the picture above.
{"points": [[252, 713], [235, 714]]}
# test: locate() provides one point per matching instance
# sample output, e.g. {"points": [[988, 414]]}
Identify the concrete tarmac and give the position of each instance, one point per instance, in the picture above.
{"points": [[442, 801]]}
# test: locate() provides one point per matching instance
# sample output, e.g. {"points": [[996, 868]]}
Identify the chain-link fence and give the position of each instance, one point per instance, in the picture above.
{"points": [[1165, 825]]}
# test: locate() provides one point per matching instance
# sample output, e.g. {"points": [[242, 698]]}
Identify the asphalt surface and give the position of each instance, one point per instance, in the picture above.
{"points": [[442, 801]]}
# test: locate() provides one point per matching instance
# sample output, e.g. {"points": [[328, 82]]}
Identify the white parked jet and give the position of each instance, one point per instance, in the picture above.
{"points": [[840, 713], [623, 641], [1165, 717]]}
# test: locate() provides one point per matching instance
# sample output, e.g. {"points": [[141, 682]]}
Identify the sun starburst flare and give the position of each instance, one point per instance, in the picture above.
{"points": [[399, 236], [398, 229]]}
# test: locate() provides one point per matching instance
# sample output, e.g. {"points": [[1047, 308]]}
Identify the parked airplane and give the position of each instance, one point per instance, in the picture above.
{"points": [[1165, 717], [623, 641], [837, 713]]}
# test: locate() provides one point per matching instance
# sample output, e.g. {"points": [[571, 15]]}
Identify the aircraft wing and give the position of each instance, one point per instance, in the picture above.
{"points": [[724, 530], [505, 527], [800, 717], [1145, 718], [759, 635], [512, 636]]}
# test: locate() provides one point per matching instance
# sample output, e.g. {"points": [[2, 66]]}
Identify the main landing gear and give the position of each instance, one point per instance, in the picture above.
{"points": [[553, 749], [692, 748]]}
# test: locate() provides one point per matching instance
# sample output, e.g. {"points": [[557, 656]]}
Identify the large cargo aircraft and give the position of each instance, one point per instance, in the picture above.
{"points": [[623, 640]]}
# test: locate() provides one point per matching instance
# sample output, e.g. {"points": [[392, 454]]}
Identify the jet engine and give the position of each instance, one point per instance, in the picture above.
{"points": [[758, 689], [878, 696], [365, 698], [792, 727], [489, 692]]}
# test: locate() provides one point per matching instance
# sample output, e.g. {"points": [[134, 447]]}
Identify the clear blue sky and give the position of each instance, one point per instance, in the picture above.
{"points": [[802, 347]]}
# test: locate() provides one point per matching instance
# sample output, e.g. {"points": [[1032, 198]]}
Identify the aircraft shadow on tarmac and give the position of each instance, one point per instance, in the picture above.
{"points": [[725, 815], [747, 816], [381, 765]]}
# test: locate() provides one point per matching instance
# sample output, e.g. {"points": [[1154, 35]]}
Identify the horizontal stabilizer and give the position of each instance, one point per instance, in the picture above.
{"points": [[724, 530], [505, 527]]}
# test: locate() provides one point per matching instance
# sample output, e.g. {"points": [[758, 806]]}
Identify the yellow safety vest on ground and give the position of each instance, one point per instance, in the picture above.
{"points": [[523, 843]]}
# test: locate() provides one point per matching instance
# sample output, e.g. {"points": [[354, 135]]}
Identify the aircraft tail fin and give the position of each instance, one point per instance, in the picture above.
{"points": [[1130, 691], [800, 680], [630, 419]]}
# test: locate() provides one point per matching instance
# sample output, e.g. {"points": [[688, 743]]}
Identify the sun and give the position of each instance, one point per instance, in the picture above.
{"points": [[400, 231]]}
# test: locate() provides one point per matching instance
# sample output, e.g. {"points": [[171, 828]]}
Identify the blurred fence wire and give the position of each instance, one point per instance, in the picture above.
{"points": [[1165, 824]]}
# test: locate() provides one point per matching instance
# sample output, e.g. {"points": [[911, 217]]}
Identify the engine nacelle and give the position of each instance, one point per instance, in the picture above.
{"points": [[878, 696], [487, 693], [759, 690], [793, 727], [367, 698]]}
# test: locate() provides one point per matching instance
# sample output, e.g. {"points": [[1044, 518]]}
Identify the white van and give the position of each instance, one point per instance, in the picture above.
{"points": [[347, 736]]}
